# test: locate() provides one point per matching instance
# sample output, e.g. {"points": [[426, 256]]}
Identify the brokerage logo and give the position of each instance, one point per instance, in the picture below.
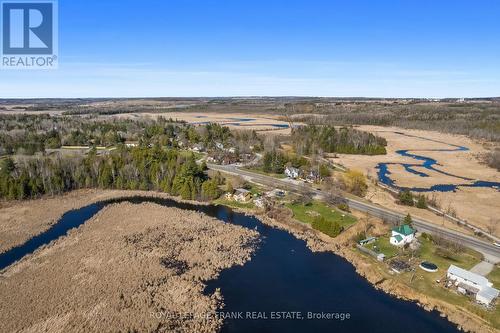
{"points": [[29, 38]]}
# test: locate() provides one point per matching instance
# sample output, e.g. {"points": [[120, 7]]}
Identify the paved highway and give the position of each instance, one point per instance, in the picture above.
{"points": [[490, 251]]}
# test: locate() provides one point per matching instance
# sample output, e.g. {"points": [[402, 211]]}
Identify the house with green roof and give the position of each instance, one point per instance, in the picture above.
{"points": [[401, 235]]}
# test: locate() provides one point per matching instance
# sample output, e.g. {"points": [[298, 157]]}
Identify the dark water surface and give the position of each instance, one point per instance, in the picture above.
{"points": [[283, 275]]}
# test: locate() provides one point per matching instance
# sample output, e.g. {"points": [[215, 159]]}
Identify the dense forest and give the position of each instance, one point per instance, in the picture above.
{"points": [[478, 120], [30, 134], [314, 139], [140, 168]]}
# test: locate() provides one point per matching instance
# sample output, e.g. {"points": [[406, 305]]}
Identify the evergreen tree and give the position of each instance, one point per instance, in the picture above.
{"points": [[408, 220], [406, 198], [422, 202]]}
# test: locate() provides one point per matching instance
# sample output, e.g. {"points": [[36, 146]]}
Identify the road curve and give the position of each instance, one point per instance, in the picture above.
{"points": [[490, 251]]}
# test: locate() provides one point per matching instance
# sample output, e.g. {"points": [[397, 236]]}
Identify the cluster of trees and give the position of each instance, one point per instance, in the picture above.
{"points": [[354, 182], [328, 139], [480, 120], [445, 248], [29, 134], [330, 228], [140, 168], [408, 199], [274, 162]]}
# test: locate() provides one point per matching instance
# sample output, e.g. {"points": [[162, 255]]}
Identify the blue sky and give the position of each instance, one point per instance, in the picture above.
{"points": [[384, 48]]}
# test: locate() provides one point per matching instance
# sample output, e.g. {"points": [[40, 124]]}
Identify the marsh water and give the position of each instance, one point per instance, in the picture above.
{"points": [[283, 279], [429, 164]]}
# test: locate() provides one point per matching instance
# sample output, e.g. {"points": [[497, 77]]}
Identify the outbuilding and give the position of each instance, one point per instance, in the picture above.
{"points": [[487, 295]]}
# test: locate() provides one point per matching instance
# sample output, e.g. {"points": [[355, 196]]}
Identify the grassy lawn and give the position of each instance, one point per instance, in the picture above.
{"points": [[426, 284], [466, 260], [494, 277], [255, 189], [382, 245], [234, 204], [260, 171], [306, 214]]}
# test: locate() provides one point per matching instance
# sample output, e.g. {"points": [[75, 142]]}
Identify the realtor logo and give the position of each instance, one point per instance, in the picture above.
{"points": [[29, 34]]}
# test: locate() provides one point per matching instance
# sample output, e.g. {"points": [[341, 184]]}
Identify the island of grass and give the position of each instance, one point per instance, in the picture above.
{"points": [[322, 217], [260, 170]]}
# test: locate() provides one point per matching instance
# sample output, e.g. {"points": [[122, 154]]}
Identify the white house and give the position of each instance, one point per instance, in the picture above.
{"points": [[402, 235], [292, 172], [472, 283], [242, 195]]}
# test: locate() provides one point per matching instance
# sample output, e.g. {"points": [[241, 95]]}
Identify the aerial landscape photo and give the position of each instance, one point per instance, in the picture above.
{"points": [[250, 166]]}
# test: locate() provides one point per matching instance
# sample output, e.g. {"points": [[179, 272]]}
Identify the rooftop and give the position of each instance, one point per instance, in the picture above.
{"points": [[404, 229], [488, 293], [469, 276], [242, 191]]}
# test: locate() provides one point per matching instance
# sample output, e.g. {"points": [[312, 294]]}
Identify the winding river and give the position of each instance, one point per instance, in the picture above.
{"points": [[384, 175], [283, 275]]}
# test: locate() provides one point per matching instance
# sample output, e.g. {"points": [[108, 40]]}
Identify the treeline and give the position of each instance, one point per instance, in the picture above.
{"points": [[30, 134], [477, 120], [314, 139], [166, 170], [275, 161]]}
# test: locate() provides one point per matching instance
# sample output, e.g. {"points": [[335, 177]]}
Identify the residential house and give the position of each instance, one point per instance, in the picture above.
{"points": [[402, 235], [292, 172], [472, 284], [242, 195], [312, 176]]}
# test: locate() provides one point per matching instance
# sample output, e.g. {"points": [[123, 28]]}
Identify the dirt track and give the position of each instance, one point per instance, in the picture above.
{"points": [[130, 268]]}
